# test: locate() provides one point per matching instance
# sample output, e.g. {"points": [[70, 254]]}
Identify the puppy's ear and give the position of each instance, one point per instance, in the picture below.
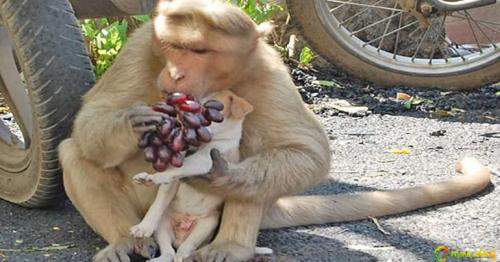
{"points": [[239, 107]]}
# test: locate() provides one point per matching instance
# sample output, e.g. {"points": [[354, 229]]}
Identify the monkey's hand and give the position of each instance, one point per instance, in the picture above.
{"points": [[217, 177], [143, 118]]}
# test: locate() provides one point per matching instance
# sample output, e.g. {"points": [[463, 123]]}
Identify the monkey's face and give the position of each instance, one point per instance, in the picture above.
{"points": [[204, 45]]}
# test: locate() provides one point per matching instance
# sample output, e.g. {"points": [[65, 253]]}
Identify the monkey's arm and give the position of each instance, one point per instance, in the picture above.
{"points": [[109, 136], [267, 175]]}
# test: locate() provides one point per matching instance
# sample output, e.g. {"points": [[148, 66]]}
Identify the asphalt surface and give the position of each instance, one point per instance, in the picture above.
{"points": [[361, 162]]}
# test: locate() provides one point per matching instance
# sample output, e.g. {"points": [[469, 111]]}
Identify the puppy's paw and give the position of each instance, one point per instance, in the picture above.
{"points": [[144, 179], [142, 230]]}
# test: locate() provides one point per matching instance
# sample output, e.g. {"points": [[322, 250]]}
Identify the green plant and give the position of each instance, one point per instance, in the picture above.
{"points": [[306, 56], [258, 10], [105, 37]]}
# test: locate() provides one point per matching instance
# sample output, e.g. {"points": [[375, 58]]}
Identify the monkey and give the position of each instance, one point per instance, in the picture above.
{"points": [[198, 47]]}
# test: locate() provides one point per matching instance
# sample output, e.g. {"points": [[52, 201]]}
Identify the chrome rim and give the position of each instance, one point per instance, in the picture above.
{"points": [[468, 41]]}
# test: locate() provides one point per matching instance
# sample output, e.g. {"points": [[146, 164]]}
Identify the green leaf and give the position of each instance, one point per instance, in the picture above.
{"points": [[142, 18], [306, 56], [498, 93]]}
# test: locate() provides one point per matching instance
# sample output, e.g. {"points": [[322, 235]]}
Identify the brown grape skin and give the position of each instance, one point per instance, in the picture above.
{"points": [[144, 141], [176, 98], [190, 137], [166, 127]]}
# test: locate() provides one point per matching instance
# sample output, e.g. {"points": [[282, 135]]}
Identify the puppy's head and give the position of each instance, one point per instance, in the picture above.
{"points": [[235, 107]]}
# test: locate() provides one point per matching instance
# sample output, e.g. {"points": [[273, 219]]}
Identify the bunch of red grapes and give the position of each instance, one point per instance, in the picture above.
{"points": [[185, 128]]}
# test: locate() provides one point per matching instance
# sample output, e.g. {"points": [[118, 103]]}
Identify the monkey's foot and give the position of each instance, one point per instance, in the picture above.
{"points": [[223, 251], [144, 179], [120, 251], [142, 230]]}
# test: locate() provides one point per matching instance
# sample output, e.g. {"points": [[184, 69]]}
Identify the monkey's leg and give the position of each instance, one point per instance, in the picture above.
{"points": [[105, 198], [237, 234]]}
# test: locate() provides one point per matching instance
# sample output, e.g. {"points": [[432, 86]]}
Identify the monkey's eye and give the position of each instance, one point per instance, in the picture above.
{"points": [[200, 51]]}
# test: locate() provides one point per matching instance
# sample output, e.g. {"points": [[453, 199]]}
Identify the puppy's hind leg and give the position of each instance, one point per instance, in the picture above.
{"points": [[164, 236]]}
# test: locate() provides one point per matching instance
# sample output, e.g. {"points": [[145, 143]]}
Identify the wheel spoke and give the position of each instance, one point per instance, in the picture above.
{"points": [[423, 36], [390, 33], [358, 13], [473, 31], [387, 27], [13, 88], [374, 24], [481, 30], [396, 45], [434, 42], [366, 5]]}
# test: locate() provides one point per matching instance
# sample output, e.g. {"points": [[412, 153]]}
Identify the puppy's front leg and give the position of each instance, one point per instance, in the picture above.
{"points": [[196, 164]]}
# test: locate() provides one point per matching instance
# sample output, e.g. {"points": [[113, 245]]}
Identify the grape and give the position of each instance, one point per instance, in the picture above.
{"points": [[203, 120], [178, 142], [214, 104], [183, 127], [190, 106], [176, 98], [150, 154], [190, 137], [164, 153], [192, 119], [203, 134], [160, 165], [177, 159], [214, 115], [166, 127]]}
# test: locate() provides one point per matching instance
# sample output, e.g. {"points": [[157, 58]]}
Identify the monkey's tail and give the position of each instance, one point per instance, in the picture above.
{"points": [[308, 210]]}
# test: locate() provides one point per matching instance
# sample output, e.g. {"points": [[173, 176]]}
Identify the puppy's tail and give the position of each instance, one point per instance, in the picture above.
{"points": [[308, 210]]}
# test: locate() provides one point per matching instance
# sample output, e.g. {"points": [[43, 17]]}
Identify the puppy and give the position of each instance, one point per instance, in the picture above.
{"points": [[191, 219]]}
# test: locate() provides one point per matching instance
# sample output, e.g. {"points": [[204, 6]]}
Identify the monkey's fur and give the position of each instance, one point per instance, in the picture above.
{"points": [[284, 150]]}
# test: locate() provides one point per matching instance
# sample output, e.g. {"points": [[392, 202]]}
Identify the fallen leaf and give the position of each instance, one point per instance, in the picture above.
{"points": [[19, 241], [56, 228], [498, 93], [403, 96], [4, 109], [402, 151], [442, 113], [325, 83]]}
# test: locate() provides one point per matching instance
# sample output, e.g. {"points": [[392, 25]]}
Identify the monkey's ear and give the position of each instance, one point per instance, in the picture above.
{"points": [[240, 107], [264, 29]]}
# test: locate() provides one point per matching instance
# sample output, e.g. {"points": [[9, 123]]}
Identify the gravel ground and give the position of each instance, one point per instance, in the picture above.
{"points": [[466, 124]]}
